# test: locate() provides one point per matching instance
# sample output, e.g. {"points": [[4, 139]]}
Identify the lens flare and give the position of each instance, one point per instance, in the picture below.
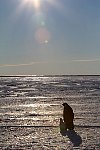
{"points": [[40, 9], [42, 35]]}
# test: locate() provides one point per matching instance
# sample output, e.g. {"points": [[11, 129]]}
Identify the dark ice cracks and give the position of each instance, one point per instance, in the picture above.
{"points": [[68, 117]]}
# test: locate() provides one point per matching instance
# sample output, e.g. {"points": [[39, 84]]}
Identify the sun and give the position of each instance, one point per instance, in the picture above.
{"points": [[35, 3]]}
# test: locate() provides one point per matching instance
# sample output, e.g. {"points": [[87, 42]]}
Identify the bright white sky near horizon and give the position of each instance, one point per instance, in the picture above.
{"points": [[42, 37]]}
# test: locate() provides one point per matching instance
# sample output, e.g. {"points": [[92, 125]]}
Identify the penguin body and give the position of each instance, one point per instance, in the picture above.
{"points": [[68, 116]]}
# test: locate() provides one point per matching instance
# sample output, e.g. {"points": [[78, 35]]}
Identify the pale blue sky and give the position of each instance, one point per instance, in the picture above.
{"points": [[59, 37]]}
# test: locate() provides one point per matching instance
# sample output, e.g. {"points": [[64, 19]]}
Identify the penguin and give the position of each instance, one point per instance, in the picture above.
{"points": [[62, 125], [68, 116]]}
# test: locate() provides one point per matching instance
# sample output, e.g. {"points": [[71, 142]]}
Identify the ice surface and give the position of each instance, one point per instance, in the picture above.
{"points": [[31, 108]]}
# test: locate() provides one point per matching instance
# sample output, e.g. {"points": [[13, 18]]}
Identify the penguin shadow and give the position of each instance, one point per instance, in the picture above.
{"points": [[73, 136]]}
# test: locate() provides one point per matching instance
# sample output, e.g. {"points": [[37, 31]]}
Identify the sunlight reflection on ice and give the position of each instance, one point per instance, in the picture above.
{"points": [[37, 105]]}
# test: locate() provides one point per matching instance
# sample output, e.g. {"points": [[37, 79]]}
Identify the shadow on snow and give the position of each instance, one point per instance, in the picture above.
{"points": [[71, 134]]}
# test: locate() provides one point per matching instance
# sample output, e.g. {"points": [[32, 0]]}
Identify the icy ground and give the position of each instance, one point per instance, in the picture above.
{"points": [[31, 108]]}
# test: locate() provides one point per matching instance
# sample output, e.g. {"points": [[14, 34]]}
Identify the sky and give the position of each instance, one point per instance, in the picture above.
{"points": [[55, 37]]}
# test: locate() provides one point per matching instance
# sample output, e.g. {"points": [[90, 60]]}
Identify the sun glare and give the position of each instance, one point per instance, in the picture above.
{"points": [[42, 34], [35, 3]]}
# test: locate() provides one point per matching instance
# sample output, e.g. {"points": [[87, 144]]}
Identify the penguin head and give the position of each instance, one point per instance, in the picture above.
{"points": [[65, 104]]}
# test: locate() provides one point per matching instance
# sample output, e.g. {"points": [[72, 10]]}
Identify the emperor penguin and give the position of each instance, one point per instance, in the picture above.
{"points": [[68, 116]]}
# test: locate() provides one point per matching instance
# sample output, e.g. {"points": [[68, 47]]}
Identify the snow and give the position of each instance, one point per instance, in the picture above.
{"points": [[32, 121]]}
